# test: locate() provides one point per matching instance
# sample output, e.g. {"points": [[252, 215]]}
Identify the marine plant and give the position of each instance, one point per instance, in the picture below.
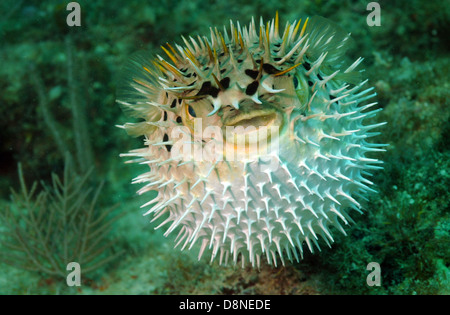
{"points": [[47, 226]]}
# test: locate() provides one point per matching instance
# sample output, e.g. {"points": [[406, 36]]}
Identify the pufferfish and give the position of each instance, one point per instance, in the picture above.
{"points": [[250, 199]]}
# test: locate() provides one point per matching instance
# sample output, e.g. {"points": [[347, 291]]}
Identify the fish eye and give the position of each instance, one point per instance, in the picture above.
{"points": [[191, 111], [295, 81]]}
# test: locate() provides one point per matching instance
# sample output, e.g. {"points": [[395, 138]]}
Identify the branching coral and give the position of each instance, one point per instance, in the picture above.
{"points": [[44, 231]]}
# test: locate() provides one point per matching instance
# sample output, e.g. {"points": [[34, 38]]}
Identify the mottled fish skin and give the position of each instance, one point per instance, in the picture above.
{"points": [[242, 210]]}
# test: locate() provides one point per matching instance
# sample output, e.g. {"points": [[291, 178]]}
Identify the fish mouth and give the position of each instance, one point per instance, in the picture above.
{"points": [[255, 119], [255, 127]]}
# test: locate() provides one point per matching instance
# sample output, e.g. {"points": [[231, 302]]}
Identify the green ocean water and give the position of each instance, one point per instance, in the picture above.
{"points": [[58, 117]]}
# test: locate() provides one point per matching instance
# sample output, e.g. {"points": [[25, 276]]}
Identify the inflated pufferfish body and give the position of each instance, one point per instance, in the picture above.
{"points": [[250, 193]]}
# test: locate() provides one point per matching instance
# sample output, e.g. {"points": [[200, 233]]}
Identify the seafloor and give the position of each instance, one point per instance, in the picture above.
{"points": [[57, 94]]}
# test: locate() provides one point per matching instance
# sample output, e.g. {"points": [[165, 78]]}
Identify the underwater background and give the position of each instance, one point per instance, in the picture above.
{"points": [[58, 117]]}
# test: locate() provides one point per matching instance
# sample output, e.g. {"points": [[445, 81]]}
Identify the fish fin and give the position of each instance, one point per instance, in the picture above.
{"points": [[138, 85], [326, 36]]}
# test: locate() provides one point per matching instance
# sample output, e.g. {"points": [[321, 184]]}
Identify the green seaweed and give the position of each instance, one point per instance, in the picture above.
{"points": [[45, 230]]}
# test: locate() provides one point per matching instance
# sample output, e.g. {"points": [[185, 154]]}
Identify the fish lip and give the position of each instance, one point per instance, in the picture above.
{"points": [[256, 127], [257, 118]]}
